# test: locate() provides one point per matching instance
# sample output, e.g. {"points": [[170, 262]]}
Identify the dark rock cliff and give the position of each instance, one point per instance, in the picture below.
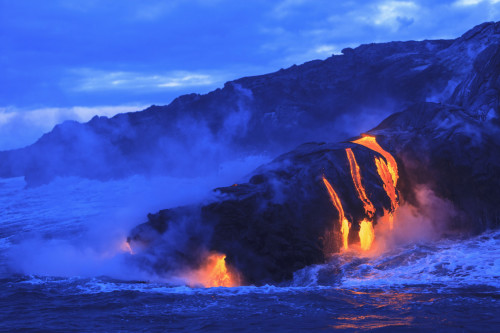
{"points": [[282, 219]]}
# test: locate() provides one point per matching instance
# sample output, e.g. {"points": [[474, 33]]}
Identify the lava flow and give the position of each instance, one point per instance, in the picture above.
{"points": [[366, 233], [389, 186], [387, 170], [356, 178], [345, 225], [371, 142], [214, 273]]}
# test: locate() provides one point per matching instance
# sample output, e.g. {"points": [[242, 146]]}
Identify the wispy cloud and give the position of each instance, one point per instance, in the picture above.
{"points": [[392, 14], [327, 27], [284, 7], [154, 11], [315, 52], [91, 80], [326, 49], [467, 3]]}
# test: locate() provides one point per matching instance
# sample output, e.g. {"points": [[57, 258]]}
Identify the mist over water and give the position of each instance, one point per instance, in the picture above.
{"points": [[78, 227]]}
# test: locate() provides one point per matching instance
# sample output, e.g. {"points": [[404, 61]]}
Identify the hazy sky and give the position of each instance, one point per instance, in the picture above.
{"points": [[71, 59]]}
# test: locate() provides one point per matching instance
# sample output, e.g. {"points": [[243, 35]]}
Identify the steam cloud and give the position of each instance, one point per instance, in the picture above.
{"points": [[199, 161], [424, 220]]}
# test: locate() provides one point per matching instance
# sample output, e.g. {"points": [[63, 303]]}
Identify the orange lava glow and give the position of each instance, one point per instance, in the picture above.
{"points": [[371, 142], [214, 273], [387, 170], [389, 186], [356, 178], [344, 229], [125, 247], [366, 234], [345, 225]]}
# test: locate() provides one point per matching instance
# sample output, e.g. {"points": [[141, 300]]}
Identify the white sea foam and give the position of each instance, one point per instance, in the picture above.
{"points": [[452, 263]]}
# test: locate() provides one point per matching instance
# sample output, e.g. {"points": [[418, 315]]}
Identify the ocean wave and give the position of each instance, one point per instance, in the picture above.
{"points": [[451, 263]]}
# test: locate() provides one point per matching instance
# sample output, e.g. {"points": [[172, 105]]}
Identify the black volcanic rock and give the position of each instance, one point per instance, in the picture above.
{"points": [[457, 155], [319, 100], [270, 230], [282, 219], [479, 93]]}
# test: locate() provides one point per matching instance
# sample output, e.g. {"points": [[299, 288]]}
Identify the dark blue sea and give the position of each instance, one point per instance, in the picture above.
{"points": [[63, 268]]}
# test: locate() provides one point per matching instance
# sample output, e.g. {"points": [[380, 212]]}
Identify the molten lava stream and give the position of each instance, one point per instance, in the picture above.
{"points": [[389, 187], [370, 142], [366, 233], [356, 178], [387, 170], [344, 223], [214, 273]]}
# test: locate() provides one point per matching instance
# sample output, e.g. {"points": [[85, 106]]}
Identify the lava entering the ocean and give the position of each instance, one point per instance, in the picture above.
{"points": [[366, 234], [387, 169], [214, 273], [345, 225]]}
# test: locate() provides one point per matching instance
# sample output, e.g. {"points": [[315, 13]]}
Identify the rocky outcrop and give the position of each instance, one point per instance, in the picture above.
{"points": [[282, 219], [479, 93], [319, 100]]}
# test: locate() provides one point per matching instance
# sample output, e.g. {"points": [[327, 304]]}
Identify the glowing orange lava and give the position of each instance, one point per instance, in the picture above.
{"points": [[387, 170], [344, 229], [389, 186], [214, 273], [345, 225], [371, 142], [366, 234], [356, 178]]}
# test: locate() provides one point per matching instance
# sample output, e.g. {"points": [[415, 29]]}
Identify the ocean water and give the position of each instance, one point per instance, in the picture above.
{"points": [[63, 268]]}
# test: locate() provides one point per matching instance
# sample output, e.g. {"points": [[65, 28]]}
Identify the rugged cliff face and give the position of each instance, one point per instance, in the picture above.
{"points": [[319, 100], [283, 218]]}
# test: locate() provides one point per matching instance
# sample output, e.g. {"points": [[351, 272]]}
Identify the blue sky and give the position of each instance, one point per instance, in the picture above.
{"points": [[71, 59]]}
